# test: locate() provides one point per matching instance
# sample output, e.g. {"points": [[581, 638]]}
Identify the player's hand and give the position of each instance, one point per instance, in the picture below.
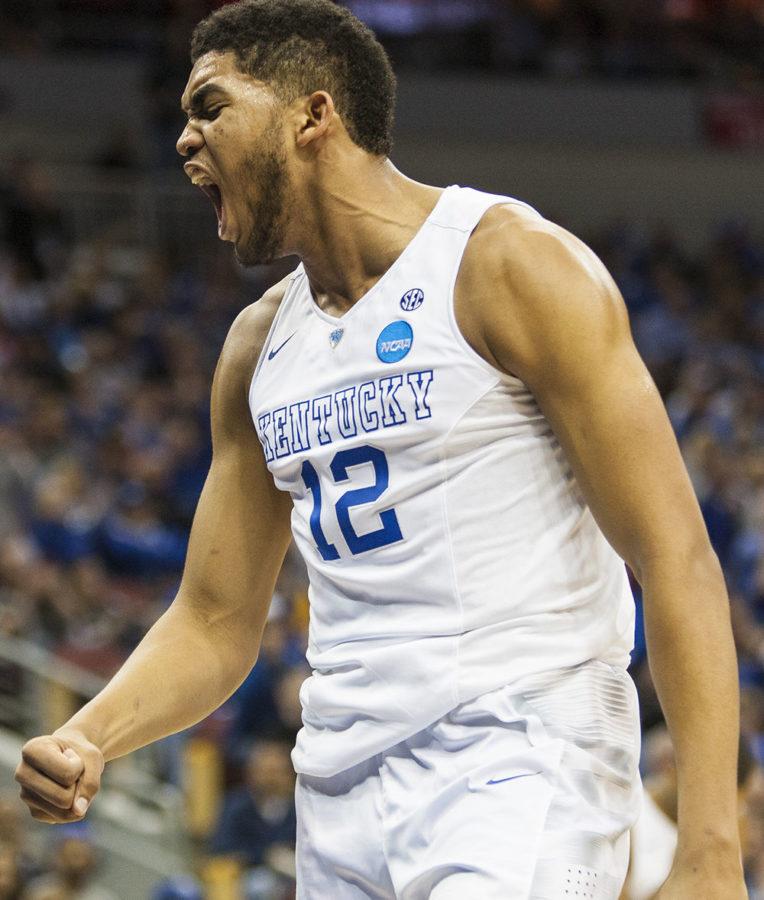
{"points": [[59, 775]]}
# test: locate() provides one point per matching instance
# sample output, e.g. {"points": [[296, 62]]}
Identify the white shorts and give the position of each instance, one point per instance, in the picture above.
{"points": [[511, 796]]}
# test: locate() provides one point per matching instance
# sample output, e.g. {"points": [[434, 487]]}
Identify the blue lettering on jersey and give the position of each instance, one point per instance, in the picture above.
{"points": [[263, 422], [280, 440], [392, 414], [394, 341], [322, 409], [383, 402], [420, 384], [344, 402], [369, 417], [298, 413]]}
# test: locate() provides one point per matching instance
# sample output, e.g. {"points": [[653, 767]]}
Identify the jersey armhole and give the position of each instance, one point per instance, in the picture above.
{"points": [[456, 330], [267, 342]]}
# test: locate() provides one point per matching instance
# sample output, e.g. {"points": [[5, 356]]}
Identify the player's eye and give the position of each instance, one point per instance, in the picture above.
{"points": [[210, 113]]}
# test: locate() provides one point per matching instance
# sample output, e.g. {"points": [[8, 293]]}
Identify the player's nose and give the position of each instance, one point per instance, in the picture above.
{"points": [[189, 141]]}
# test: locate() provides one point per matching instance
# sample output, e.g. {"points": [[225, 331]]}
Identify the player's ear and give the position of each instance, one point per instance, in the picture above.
{"points": [[316, 115]]}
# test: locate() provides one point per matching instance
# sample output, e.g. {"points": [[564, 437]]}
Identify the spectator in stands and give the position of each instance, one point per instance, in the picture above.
{"points": [[287, 696], [11, 879], [72, 868], [134, 539], [267, 703], [258, 818], [22, 851], [33, 226], [182, 887]]}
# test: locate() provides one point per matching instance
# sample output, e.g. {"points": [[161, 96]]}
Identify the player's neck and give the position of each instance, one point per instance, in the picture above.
{"points": [[357, 222]]}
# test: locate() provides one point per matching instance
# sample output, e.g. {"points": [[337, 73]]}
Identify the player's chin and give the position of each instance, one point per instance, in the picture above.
{"points": [[250, 252], [245, 255]]}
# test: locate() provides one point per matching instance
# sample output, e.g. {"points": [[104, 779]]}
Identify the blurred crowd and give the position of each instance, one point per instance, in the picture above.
{"points": [[255, 834], [106, 356], [59, 866], [701, 39]]}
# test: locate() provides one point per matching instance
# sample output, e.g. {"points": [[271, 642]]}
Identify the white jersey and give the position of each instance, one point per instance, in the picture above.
{"points": [[448, 545]]}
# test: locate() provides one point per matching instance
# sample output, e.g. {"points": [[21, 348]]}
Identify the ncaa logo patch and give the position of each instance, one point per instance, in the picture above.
{"points": [[412, 299], [394, 341]]}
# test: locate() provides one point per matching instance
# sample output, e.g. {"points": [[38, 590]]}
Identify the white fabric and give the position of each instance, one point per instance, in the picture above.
{"points": [[653, 843], [489, 802], [498, 570]]}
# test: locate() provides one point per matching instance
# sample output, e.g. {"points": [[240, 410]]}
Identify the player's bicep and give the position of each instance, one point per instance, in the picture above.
{"points": [[619, 442], [238, 541], [566, 334], [240, 533]]}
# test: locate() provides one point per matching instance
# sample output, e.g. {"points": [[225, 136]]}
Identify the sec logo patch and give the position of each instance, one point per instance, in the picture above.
{"points": [[412, 299], [394, 341]]}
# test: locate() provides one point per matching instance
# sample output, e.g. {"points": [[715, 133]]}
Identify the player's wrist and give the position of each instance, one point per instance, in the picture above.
{"points": [[711, 847], [79, 735]]}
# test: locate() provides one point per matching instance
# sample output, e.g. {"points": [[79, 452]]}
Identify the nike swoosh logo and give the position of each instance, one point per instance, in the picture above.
{"points": [[512, 777], [274, 352]]}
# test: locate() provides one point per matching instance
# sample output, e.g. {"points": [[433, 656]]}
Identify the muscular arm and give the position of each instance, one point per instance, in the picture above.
{"points": [[559, 323], [201, 649]]}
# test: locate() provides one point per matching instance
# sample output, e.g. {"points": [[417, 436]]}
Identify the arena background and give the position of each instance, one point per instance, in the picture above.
{"points": [[639, 125]]}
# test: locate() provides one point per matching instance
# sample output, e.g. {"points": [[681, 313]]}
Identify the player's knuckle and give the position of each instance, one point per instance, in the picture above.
{"points": [[36, 744], [67, 779], [29, 751]]}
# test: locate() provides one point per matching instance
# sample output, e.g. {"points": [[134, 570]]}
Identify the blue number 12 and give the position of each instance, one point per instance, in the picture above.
{"points": [[357, 543]]}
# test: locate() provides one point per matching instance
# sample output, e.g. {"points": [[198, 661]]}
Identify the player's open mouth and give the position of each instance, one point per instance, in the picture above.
{"points": [[216, 196]]}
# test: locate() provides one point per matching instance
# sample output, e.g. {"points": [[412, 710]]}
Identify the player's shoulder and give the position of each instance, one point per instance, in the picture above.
{"points": [[528, 252], [528, 287], [249, 330], [238, 358]]}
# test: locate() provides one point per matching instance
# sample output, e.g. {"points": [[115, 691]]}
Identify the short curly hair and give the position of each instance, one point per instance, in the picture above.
{"points": [[301, 46]]}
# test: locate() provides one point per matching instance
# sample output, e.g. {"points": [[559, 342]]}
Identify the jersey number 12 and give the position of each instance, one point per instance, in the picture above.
{"points": [[389, 533]]}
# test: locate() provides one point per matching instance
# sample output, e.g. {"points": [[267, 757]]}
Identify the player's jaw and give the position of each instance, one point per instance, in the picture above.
{"points": [[260, 207], [250, 205]]}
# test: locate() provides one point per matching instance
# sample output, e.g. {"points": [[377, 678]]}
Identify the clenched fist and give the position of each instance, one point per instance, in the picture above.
{"points": [[59, 775]]}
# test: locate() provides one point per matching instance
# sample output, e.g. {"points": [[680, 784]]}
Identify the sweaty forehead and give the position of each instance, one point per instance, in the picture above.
{"points": [[219, 66], [219, 69]]}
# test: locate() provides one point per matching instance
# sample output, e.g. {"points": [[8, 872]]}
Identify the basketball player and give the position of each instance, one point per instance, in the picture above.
{"points": [[445, 402]]}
